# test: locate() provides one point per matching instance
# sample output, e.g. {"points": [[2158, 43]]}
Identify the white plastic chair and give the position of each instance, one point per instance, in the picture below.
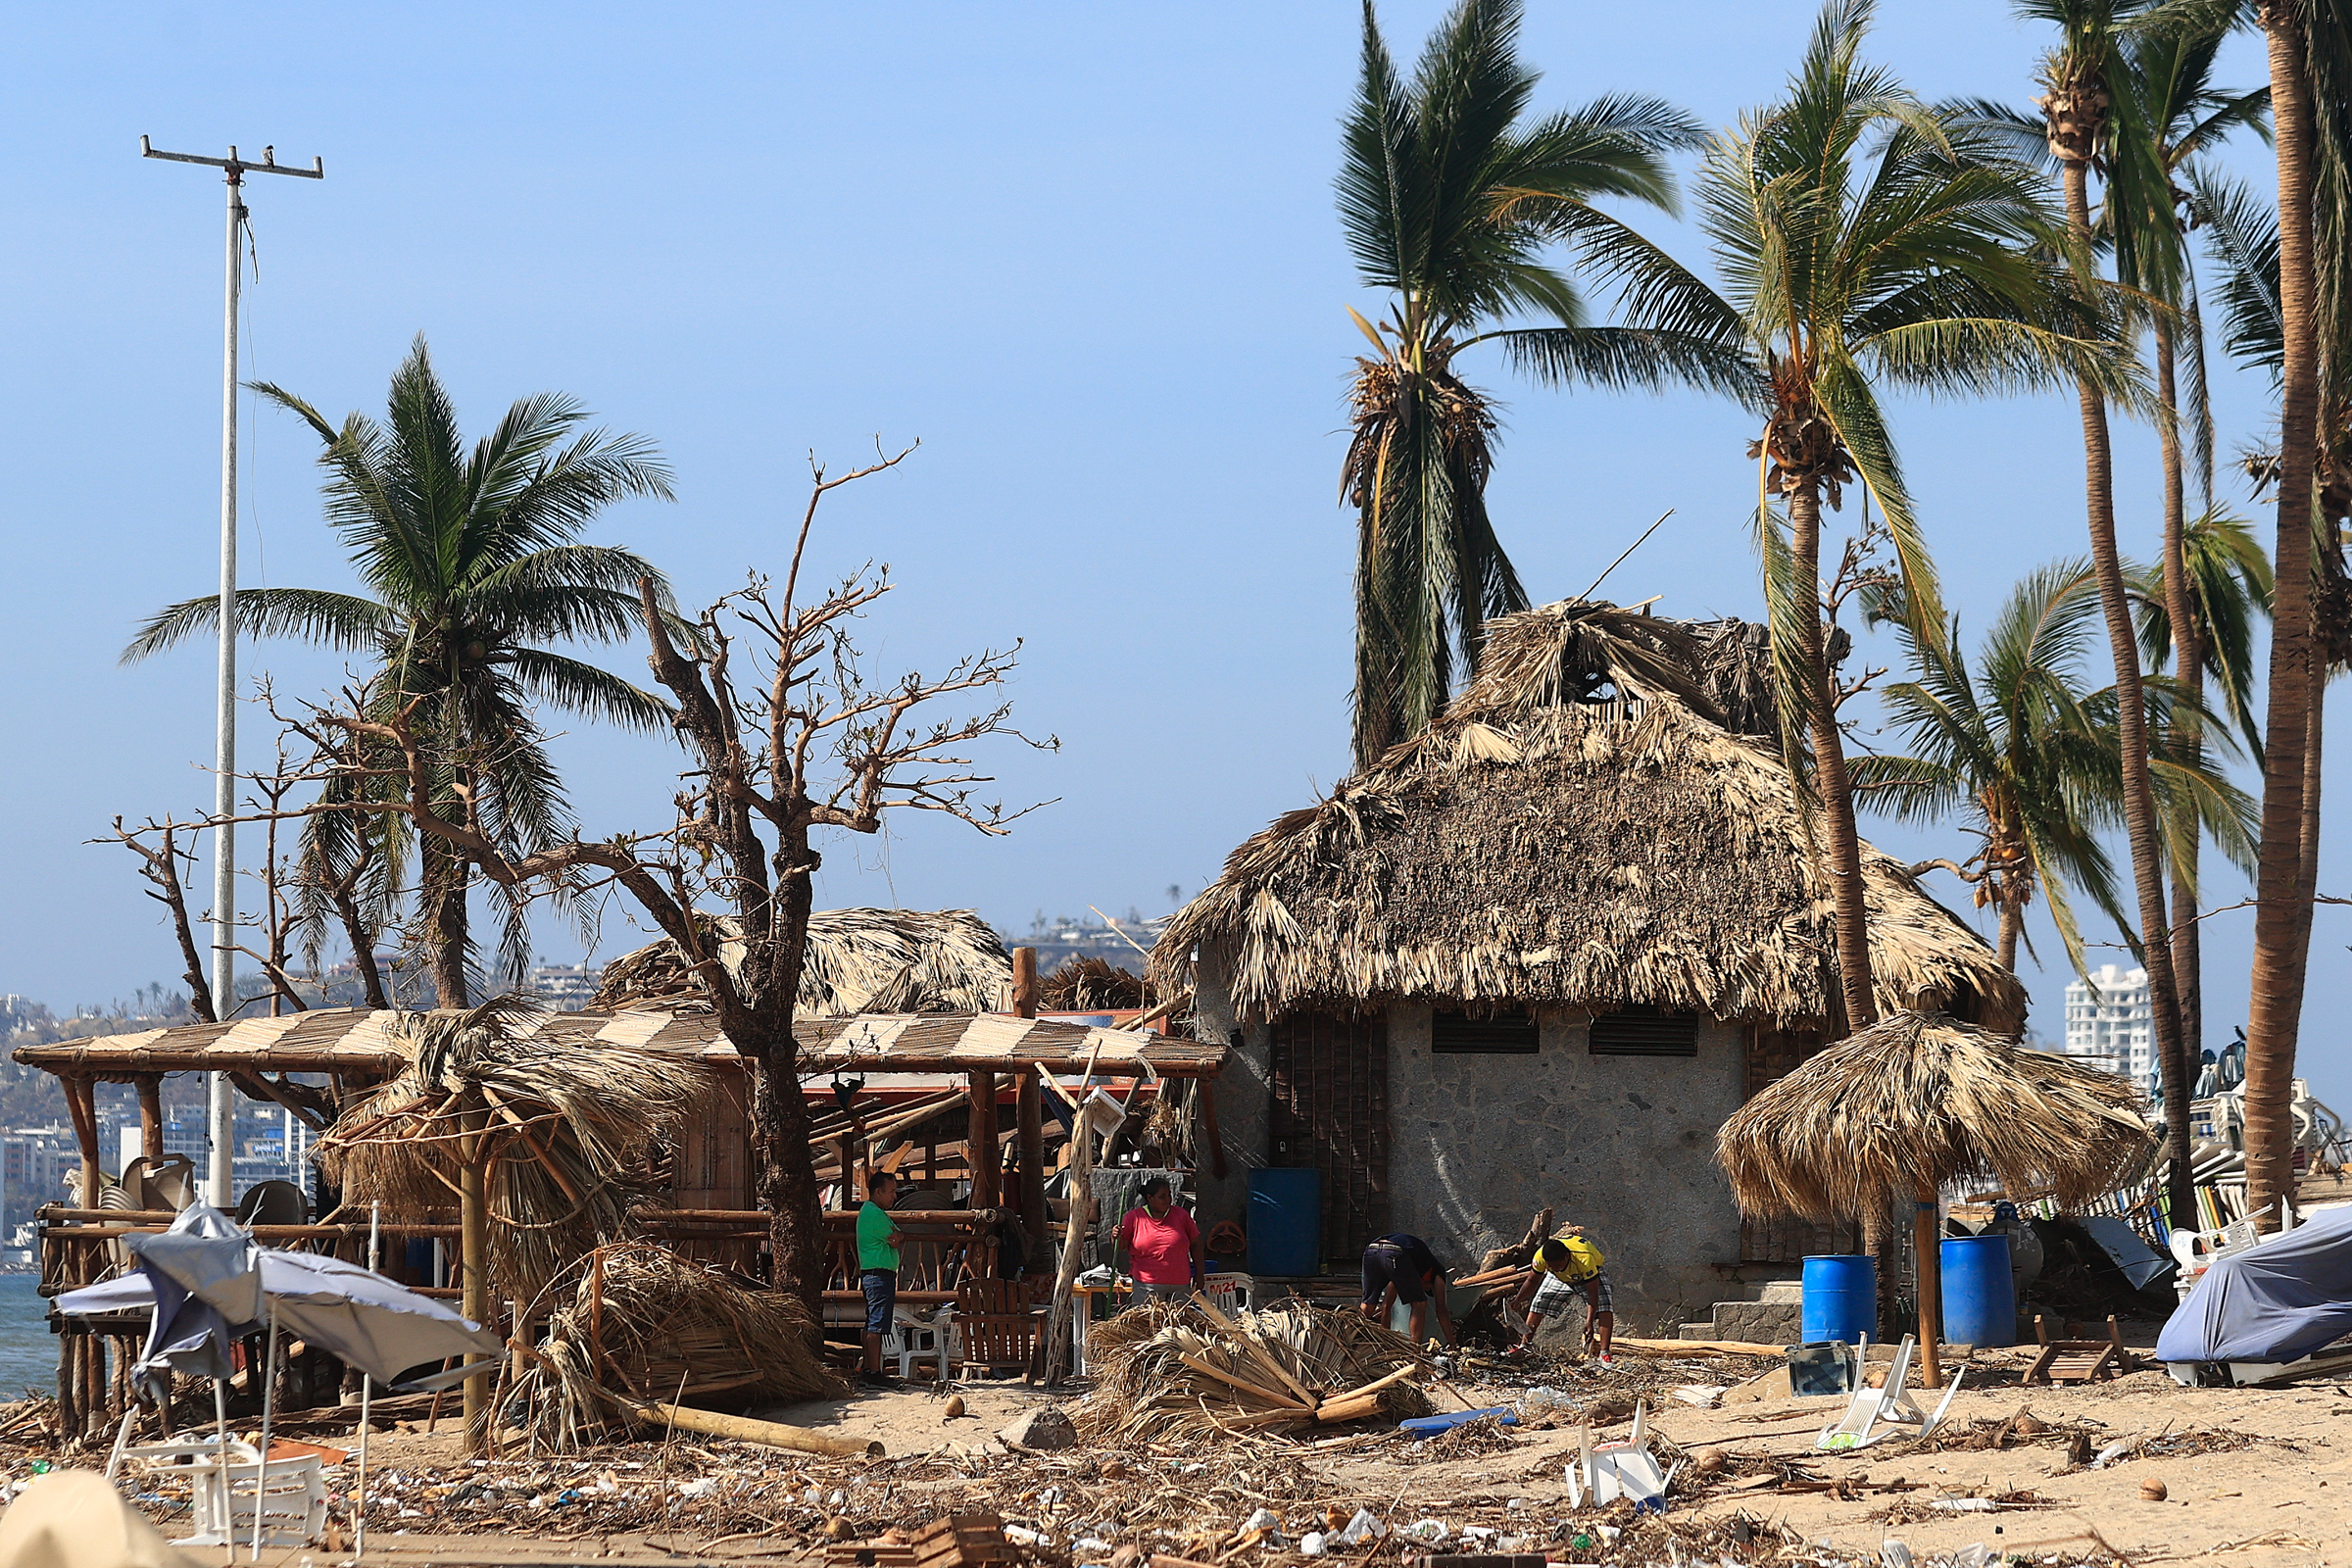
{"points": [[293, 1510], [1614, 1470], [1890, 1408], [1233, 1292], [912, 1339]]}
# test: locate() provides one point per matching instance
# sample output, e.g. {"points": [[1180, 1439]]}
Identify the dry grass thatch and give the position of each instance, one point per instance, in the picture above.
{"points": [[1145, 1391], [859, 961], [567, 1125], [1536, 848], [1088, 984], [641, 1319], [1920, 1100]]}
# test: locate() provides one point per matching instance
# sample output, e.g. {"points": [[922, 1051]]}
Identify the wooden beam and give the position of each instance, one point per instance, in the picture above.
{"points": [[473, 1263], [151, 1115], [987, 1156], [81, 1106]]}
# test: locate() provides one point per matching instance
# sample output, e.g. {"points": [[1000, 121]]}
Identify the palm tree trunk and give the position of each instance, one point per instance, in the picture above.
{"points": [[1831, 781], [2189, 668], [446, 886], [2281, 918], [2132, 727], [2005, 946]]}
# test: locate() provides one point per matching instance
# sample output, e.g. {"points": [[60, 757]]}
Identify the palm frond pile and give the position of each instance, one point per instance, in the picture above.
{"points": [[859, 960], [567, 1126], [638, 1318], [1088, 984], [1576, 831], [1918, 1100], [1183, 1373]]}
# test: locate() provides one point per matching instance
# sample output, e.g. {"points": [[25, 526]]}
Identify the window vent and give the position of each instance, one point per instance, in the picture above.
{"points": [[1645, 1032], [1505, 1032]]}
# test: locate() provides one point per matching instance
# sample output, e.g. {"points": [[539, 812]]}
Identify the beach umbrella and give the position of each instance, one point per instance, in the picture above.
{"points": [[1919, 1099], [209, 1283]]}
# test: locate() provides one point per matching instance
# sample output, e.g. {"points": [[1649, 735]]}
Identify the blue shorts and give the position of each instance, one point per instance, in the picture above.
{"points": [[881, 1287]]}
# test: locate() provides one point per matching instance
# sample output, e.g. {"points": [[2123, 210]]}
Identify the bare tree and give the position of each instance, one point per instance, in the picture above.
{"points": [[160, 863], [787, 737]]}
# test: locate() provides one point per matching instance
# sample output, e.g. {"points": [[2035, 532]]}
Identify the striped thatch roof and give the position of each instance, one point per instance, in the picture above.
{"points": [[1558, 838], [859, 961], [1919, 1099]]}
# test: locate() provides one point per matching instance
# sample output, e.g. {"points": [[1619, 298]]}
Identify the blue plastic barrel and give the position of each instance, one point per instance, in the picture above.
{"points": [[1842, 1298], [1980, 1294], [1286, 1221]]}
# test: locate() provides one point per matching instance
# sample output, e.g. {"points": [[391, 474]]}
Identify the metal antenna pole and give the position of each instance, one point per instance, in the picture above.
{"points": [[220, 1094]]}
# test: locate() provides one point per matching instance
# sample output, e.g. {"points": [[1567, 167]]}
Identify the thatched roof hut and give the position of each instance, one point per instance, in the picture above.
{"points": [[859, 961], [1536, 956], [1918, 1100], [1534, 848]]}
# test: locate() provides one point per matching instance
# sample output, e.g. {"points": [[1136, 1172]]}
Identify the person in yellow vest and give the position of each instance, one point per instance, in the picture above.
{"points": [[1566, 1266]]}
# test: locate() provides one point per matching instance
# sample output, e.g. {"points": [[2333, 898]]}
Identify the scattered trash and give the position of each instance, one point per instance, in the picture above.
{"points": [[1358, 1531], [1706, 1395]]}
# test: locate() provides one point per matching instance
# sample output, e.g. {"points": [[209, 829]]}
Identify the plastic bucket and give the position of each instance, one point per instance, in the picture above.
{"points": [[1286, 1221], [1842, 1298], [1980, 1294]]}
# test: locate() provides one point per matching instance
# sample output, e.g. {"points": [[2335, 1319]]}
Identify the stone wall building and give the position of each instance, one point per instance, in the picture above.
{"points": [[1538, 954]]}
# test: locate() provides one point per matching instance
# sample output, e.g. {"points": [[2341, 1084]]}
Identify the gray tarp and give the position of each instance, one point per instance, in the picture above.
{"points": [[2276, 1301]]}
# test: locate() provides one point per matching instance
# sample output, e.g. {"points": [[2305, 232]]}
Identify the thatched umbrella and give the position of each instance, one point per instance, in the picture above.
{"points": [[1919, 1099]]}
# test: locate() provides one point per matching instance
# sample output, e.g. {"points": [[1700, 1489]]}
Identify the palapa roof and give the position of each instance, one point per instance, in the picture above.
{"points": [[1919, 1099], [353, 1041], [1558, 838], [859, 960]]}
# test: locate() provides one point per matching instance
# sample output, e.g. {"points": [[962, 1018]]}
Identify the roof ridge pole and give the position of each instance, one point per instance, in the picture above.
{"points": [[220, 1096]]}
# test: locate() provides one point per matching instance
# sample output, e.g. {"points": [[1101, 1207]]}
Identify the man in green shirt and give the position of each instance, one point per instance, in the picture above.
{"points": [[878, 1241]]}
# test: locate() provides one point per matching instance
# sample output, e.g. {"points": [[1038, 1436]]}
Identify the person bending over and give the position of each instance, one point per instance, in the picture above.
{"points": [[1402, 1268], [1567, 1266]]}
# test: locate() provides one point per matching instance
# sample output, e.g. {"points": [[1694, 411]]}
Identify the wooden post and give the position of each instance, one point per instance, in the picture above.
{"points": [[81, 1106], [982, 1151], [1031, 1107], [474, 1272], [1928, 1275], [151, 1115], [1060, 1315]]}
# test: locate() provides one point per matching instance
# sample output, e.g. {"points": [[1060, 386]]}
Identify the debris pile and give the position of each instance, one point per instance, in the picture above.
{"points": [[644, 1321], [1182, 1372]]}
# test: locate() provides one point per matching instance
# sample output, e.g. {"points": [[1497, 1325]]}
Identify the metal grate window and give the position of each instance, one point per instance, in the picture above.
{"points": [[1504, 1033], [1645, 1032]]}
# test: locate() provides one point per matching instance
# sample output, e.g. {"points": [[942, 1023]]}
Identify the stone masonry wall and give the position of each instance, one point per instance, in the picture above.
{"points": [[1624, 1146]]}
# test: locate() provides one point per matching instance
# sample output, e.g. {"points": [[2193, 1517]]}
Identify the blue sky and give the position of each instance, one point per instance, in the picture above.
{"points": [[1086, 254]]}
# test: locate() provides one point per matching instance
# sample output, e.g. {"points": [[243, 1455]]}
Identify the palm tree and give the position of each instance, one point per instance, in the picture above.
{"points": [[2091, 115], [2013, 748], [1449, 198], [472, 567], [1864, 240]]}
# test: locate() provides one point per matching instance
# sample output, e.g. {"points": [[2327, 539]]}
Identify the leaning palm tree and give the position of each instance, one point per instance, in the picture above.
{"points": [[2011, 748], [472, 567], [1864, 242], [2029, 761], [1450, 197]]}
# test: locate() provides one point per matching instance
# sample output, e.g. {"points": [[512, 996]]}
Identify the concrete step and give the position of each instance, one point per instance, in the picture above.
{"points": [[1756, 1322], [1783, 1291]]}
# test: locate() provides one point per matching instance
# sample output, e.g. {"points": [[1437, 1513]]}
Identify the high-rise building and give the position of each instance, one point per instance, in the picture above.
{"points": [[2110, 1024], [567, 987]]}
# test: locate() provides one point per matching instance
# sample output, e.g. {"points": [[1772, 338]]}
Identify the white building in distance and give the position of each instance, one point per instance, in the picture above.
{"points": [[2110, 1024]]}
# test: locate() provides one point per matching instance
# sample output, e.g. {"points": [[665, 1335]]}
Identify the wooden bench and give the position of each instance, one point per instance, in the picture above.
{"points": [[2079, 1360]]}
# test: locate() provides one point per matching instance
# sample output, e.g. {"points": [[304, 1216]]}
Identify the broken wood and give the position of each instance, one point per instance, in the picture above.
{"points": [[1706, 1347], [743, 1429]]}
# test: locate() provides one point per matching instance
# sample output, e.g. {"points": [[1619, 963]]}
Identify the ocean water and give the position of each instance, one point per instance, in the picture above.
{"points": [[28, 1349]]}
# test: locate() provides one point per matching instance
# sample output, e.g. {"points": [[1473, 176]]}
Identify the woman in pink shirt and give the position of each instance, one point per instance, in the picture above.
{"points": [[1160, 1245]]}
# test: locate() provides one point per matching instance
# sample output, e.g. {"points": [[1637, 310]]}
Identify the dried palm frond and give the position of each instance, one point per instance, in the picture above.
{"points": [[638, 1319], [1919, 1099], [567, 1126], [1151, 1383], [1088, 984], [859, 960]]}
